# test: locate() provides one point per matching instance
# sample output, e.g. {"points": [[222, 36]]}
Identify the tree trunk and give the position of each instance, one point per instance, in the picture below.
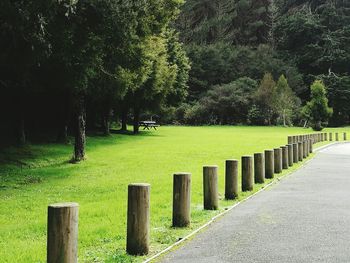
{"points": [[124, 119], [79, 144], [105, 125], [136, 119]]}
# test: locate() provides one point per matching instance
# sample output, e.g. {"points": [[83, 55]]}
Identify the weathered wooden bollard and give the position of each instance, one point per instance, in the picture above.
{"points": [[310, 146], [259, 168], [304, 149], [285, 161], [295, 153], [290, 154], [330, 136], [336, 136], [301, 151], [231, 179], [181, 199], [138, 223], [277, 152], [344, 136], [210, 187], [247, 173], [269, 164], [326, 136], [62, 233], [290, 138]]}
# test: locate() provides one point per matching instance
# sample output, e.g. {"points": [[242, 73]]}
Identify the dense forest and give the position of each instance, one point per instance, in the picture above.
{"points": [[70, 66], [239, 49]]}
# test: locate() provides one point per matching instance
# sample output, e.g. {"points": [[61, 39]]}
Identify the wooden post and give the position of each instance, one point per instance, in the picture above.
{"points": [[247, 173], [295, 153], [62, 233], [326, 136], [181, 199], [300, 138], [259, 168], [310, 146], [278, 160], [138, 223], [344, 136], [336, 136], [231, 179], [285, 160], [210, 187], [301, 151], [330, 136], [290, 154], [269, 164], [304, 149]]}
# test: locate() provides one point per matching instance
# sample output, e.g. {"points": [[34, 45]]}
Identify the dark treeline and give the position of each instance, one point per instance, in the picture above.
{"points": [[251, 41], [68, 66]]}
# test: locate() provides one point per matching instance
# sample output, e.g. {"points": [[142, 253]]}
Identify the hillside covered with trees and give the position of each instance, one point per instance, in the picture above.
{"points": [[232, 45], [67, 67]]}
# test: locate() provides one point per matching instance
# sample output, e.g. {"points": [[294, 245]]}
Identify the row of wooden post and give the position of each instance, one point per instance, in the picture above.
{"points": [[62, 241], [317, 137]]}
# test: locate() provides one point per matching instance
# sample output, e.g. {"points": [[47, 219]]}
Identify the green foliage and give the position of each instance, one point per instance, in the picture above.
{"points": [[286, 102], [242, 22], [223, 104], [317, 110], [222, 63], [264, 98], [338, 92]]}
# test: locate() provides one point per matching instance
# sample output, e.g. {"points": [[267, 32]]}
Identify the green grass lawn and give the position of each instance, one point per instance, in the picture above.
{"points": [[37, 175]]}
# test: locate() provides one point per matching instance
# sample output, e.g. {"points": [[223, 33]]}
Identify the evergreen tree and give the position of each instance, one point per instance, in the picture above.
{"points": [[265, 98], [286, 102], [317, 110]]}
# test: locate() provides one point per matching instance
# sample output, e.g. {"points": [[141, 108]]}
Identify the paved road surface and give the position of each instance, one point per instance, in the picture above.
{"points": [[303, 218]]}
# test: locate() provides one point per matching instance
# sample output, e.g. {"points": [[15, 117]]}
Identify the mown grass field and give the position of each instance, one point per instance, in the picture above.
{"points": [[37, 175]]}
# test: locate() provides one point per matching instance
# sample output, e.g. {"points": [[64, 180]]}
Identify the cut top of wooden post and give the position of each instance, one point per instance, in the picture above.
{"points": [[62, 205], [139, 185]]}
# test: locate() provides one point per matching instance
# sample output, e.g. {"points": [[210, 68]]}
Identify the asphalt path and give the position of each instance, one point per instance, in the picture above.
{"points": [[303, 218]]}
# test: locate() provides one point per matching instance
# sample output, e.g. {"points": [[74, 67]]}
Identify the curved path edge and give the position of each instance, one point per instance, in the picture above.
{"points": [[177, 244]]}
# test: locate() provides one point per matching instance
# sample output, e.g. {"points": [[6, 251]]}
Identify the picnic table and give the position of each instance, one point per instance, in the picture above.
{"points": [[147, 125]]}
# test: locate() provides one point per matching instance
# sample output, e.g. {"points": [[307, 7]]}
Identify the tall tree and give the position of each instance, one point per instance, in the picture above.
{"points": [[286, 102], [265, 97], [317, 110], [24, 46]]}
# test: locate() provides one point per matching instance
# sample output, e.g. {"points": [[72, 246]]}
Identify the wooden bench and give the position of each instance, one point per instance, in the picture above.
{"points": [[147, 125]]}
